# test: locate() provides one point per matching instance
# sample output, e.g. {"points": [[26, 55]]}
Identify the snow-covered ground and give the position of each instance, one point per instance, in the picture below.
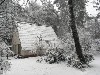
{"points": [[29, 66]]}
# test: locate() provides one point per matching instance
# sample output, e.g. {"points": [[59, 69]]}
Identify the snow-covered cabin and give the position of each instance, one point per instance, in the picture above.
{"points": [[30, 37]]}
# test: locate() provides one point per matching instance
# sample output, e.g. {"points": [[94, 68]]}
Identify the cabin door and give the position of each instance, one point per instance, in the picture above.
{"points": [[19, 49]]}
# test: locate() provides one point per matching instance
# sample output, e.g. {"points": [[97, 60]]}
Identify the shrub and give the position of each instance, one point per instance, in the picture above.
{"points": [[55, 55], [73, 61], [4, 66], [88, 58]]}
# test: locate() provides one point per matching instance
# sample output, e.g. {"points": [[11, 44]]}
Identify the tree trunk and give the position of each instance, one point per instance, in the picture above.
{"points": [[75, 33], [55, 29]]}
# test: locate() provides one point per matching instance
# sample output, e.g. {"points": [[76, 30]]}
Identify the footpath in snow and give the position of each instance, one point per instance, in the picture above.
{"points": [[29, 66]]}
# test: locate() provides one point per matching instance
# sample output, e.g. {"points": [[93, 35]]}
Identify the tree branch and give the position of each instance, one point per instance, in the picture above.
{"points": [[2, 2]]}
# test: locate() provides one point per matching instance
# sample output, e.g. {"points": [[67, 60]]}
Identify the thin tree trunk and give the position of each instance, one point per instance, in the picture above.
{"points": [[75, 33]]}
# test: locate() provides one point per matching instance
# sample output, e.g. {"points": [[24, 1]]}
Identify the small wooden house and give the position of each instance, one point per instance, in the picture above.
{"points": [[30, 39]]}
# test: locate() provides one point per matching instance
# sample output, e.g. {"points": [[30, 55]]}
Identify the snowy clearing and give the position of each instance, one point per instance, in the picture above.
{"points": [[29, 66]]}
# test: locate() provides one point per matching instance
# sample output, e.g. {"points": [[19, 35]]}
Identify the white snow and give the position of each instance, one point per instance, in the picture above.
{"points": [[29, 66]]}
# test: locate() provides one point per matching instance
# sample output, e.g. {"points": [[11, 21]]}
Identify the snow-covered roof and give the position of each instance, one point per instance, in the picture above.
{"points": [[28, 34]]}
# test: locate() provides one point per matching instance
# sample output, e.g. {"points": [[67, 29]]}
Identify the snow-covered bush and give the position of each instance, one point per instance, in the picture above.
{"points": [[4, 52], [4, 66], [72, 60], [55, 55], [88, 58], [4, 49], [96, 46]]}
